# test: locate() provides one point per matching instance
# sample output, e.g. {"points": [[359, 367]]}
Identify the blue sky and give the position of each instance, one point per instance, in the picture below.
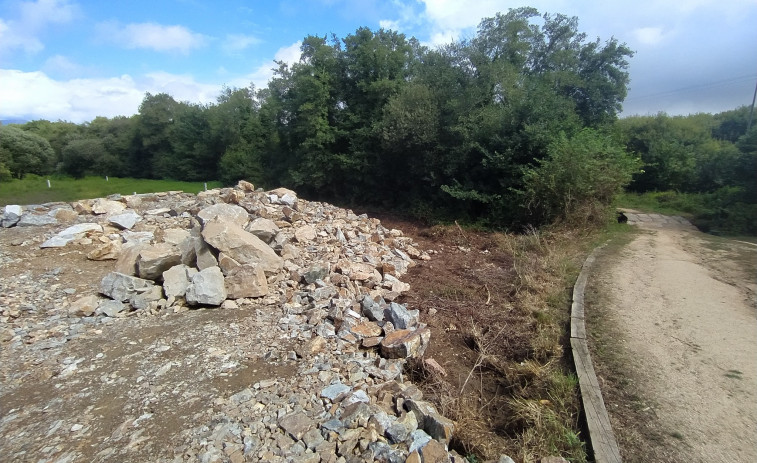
{"points": [[74, 60]]}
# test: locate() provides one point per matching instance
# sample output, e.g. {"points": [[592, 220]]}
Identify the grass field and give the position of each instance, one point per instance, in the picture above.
{"points": [[34, 190]]}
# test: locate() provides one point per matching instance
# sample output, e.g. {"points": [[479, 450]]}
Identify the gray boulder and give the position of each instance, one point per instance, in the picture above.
{"points": [[142, 300], [207, 287], [30, 219], [242, 246], [110, 308], [11, 216], [177, 279], [121, 287], [400, 317]]}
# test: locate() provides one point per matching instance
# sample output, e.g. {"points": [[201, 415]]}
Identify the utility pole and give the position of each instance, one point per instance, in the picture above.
{"points": [[751, 111]]}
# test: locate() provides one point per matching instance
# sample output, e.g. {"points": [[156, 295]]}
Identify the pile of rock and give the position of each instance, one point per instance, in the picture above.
{"points": [[333, 275]]}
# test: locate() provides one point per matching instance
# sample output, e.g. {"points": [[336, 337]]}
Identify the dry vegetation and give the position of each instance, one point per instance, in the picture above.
{"points": [[498, 305]]}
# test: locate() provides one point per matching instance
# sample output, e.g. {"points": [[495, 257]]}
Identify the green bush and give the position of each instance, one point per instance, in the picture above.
{"points": [[579, 179]]}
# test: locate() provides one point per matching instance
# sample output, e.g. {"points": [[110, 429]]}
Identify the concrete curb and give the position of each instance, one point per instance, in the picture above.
{"points": [[600, 431]]}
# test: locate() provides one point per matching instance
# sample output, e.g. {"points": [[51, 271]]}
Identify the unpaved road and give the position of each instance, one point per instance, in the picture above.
{"points": [[677, 352]]}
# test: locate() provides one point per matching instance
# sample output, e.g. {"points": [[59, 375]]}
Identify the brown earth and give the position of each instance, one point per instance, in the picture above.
{"points": [[673, 333]]}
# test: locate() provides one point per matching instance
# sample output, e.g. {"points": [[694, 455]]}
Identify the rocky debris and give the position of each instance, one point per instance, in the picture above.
{"points": [[32, 219], [70, 234], [109, 251], [315, 332]]}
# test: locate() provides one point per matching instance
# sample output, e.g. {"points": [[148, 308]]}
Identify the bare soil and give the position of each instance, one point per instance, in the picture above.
{"points": [[673, 332]]}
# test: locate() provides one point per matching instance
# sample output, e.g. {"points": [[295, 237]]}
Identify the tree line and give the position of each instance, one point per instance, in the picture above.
{"points": [[516, 125]]}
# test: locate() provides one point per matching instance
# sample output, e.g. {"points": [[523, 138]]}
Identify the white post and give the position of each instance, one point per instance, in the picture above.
{"points": [[106, 179], [206, 187], [48, 183]]}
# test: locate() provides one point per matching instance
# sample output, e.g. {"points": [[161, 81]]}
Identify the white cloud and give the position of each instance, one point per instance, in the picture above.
{"points": [[152, 36], [389, 24], [59, 64], [649, 35], [23, 31], [235, 43], [34, 95]]}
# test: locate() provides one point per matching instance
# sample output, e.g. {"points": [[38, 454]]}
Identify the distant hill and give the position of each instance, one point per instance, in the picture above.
{"points": [[13, 121]]}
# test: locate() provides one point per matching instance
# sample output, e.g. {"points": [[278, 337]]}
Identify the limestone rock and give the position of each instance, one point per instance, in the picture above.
{"points": [[11, 216], [242, 246], [65, 215], [156, 259], [429, 419], [435, 452], [207, 287], [30, 219], [121, 287], [176, 280], [246, 281], [110, 308], [108, 251], [175, 236], [284, 197], [84, 306], [125, 221], [244, 185], [106, 206], [224, 213], [405, 343], [142, 299], [127, 260], [400, 317], [304, 234], [71, 233], [263, 228], [296, 425]]}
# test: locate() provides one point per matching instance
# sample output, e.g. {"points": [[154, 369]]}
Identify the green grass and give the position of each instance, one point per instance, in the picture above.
{"points": [[34, 190]]}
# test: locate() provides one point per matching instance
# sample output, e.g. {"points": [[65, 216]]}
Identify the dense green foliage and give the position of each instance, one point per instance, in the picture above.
{"points": [[516, 125], [703, 164]]}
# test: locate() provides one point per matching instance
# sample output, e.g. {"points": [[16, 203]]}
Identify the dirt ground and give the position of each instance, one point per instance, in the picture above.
{"points": [[671, 317]]}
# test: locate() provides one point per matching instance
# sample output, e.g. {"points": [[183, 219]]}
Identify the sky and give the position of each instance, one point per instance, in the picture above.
{"points": [[77, 59]]}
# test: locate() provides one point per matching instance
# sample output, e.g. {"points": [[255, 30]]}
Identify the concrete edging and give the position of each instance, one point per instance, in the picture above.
{"points": [[600, 431]]}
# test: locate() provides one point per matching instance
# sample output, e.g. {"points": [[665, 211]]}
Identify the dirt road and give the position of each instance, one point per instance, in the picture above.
{"points": [[672, 320]]}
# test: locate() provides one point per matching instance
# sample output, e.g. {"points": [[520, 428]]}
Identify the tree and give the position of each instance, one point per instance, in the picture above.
{"points": [[24, 153], [579, 179], [88, 156]]}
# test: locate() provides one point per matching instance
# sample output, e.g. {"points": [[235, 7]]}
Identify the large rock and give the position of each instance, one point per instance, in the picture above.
{"points": [[126, 220], [263, 228], [84, 306], [71, 233], [242, 246], [108, 251], [156, 259], [405, 343], [305, 234], [106, 206], [30, 219], [177, 279], [435, 425], [121, 287], [142, 300], [127, 260], [400, 317], [207, 288], [225, 213], [246, 281], [11, 216]]}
